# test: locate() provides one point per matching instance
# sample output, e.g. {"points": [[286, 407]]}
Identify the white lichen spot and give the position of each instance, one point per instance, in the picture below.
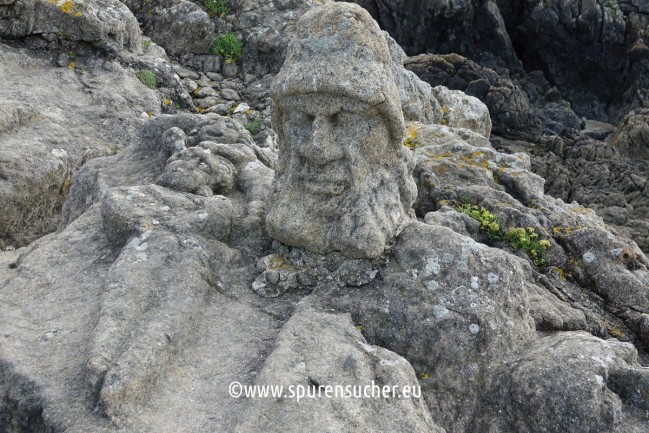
{"points": [[493, 278], [203, 215], [462, 266], [600, 380], [472, 247], [474, 328], [391, 363], [474, 282], [252, 166], [368, 348], [447, 258], [432, 266], [155, 222], [432, 285], [588, 257], [141, 257], [142, 247], [440, 311], [165, 208], [60, 153], [617, 252]]}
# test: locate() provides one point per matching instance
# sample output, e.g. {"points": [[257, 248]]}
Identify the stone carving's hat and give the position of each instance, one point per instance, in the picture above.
{"points": [[339, 49]]}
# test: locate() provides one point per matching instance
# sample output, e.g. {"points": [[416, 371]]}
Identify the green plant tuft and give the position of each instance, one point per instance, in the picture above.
{"points": [[519, 238], [219, 8], [489, 223], [148, 78], [254, 126], [528, 241], [228, 46]]}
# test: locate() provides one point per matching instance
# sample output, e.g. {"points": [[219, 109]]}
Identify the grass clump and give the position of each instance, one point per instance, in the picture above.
{"points": [[218, 8], [254, 126], [228, 46], [148, 78]]}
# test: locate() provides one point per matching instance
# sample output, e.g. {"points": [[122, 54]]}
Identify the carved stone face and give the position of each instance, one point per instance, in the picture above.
{"points": [[343, 181], [332, 143], [340, 180]]}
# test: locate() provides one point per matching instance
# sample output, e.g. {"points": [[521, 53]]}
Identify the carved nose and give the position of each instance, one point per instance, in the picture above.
{"points": [[322, 146]]}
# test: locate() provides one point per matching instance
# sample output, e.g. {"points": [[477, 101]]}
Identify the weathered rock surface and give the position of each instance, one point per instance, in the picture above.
{"points": [[318, 349], [632, 136], [456, 26], [590, 50], [267, 26], [52, 121], [178, 26], [107, 24]]}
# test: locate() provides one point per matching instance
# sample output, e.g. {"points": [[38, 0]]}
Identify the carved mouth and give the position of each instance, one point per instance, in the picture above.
{"points": [[321, 184], [324, 187]]}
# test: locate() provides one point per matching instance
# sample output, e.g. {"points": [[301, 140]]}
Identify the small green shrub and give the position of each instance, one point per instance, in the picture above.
{"points": [[217, 8], [228, 46], [148, 78], [528, 241], [489, 224], [254, 126]]}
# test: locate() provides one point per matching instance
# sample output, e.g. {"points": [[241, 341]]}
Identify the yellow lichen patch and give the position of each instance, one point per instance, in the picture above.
{"points": [[276, 261], [614, 332], [411, 134], [562, 274], [166, 102], [439, 156], [441, 169], [443, 203], [69, 7], [72, 66], [424, 376], [564, 230], [444, 120], [581, 210], [360, 328], [66, 185]]}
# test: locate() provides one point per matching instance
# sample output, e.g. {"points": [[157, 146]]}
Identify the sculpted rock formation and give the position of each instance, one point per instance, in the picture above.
{"points": [[342, 181], [144, 307]]}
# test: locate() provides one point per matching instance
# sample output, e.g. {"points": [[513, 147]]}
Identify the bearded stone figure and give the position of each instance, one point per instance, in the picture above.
{"points": [[343, 181]]}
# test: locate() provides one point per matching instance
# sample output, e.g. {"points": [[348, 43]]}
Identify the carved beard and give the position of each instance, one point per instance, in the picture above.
{"points": [[359, 222]]}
